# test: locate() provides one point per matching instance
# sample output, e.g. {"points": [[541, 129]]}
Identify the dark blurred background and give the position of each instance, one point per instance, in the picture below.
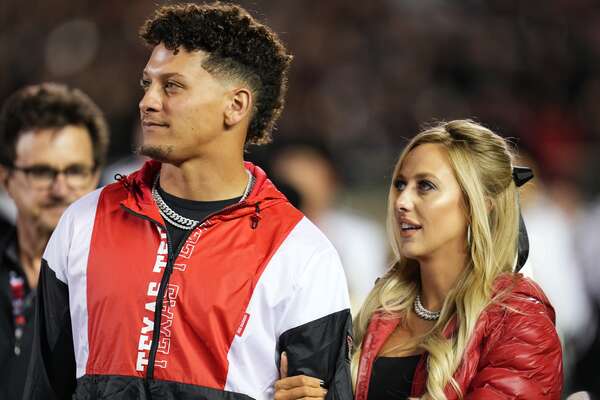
{"points": [[366, 76]]}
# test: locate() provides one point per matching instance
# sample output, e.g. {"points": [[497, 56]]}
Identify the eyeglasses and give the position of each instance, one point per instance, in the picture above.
{"points": [[43, 176]]}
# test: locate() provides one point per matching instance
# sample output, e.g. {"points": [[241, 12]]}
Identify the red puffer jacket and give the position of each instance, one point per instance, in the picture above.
{"points": [[514, 352]]}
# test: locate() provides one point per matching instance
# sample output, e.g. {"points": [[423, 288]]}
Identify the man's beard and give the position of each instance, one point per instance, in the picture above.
{"points": [[158, 153]]}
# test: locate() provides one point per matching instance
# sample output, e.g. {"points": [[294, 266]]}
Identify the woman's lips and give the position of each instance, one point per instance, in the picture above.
{"points": [[407, 233]]}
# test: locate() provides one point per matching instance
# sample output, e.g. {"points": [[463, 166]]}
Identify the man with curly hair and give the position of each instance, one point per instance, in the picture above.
{"points": [[194, 277], [53, 141]]}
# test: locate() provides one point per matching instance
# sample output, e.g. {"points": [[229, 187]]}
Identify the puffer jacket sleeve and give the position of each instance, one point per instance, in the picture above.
{"points": [[522, 357]]}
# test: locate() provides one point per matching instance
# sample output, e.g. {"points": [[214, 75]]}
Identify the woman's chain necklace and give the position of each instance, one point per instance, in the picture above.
{"points": [[424, 313]]}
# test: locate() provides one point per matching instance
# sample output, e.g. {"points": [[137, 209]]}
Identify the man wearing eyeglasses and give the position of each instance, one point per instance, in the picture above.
{"points": [[53, 141]]}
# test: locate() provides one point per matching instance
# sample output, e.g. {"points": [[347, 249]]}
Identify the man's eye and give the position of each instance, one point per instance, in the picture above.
{"points": [[144, 83], [170, 85], [399, 184], [41, 172], [76, 170]]}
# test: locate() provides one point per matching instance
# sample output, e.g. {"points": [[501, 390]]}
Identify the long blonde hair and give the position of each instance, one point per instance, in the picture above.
{"points": [[482, 164]]}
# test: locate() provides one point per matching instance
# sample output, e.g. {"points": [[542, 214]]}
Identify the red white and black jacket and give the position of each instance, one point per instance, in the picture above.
{"points": [[513, 353], [122, 315]]}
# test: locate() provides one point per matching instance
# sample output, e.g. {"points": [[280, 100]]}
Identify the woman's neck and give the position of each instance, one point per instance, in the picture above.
{"points": [[439, 274]]}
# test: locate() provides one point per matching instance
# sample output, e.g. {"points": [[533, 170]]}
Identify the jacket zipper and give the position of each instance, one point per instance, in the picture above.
{"points": [[172, 256], [164, 281], [159, 297]]}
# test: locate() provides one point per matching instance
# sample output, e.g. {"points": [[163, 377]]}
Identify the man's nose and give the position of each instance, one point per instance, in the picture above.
{"points": [[151, 101], [60, 187]]}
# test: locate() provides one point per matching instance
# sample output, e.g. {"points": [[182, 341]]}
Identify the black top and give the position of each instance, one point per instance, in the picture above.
{"points": [[197, 210], [16, 318], [391, 377]]}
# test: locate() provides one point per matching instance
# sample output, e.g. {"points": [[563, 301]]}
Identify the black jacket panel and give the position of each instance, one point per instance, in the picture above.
{"points": [[52, 367], [94, 387], [321, 349]]}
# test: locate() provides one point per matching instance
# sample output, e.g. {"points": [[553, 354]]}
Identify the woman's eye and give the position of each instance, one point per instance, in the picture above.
{"points": [[426, 186], [399, 184]]}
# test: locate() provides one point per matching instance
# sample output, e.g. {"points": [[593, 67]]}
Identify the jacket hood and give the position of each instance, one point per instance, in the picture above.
{"points": [[139, 199]]}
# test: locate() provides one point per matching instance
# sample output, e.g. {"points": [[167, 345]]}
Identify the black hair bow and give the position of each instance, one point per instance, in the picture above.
{"points": [[522, 175]]}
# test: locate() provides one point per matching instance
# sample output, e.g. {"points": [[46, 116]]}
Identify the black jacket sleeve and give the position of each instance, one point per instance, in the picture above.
{"points": [[321, 349], [316, 324], [52, 368]]}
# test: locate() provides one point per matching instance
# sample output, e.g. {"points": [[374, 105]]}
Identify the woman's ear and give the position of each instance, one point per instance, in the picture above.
{"points": [[239, 107], [489, 204]]}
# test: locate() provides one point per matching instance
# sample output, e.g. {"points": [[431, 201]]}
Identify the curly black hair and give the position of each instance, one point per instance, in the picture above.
{"points": [[50, 105], [237, 46]]}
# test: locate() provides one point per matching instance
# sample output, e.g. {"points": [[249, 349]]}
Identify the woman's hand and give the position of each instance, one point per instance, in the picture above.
{"points": [[297, 387]]}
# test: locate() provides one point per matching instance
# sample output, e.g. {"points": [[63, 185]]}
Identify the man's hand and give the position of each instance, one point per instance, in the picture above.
{"points": [[297, 387]]}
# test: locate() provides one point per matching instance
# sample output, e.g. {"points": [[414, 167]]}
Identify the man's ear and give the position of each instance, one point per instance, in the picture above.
{"points": [[239, 107]]}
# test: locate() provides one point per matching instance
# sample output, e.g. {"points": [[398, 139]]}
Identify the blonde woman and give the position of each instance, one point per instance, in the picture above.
{"points": [[450, 319]]}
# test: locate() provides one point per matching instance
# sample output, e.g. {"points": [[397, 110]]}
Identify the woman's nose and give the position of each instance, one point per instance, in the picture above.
{"points": [[404, 201]]}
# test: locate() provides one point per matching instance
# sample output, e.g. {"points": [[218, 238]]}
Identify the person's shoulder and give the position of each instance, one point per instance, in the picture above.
{"points": [[308, 238], [345, 224], [307, 252], [83, 205], [519, 309], [102, 200], [110, 195], [519, 341], [348, 219], [521, 294]]}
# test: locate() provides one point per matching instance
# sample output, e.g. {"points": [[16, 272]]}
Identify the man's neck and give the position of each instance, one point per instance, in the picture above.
{"points": [[32, 240], [203, 179]]}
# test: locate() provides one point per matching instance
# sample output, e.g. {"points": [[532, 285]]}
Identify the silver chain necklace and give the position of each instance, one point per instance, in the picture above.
{"points": [[178, 220], [424, 313]]}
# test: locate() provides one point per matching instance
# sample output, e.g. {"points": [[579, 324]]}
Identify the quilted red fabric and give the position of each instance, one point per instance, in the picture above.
{"points": [[514, 352]]}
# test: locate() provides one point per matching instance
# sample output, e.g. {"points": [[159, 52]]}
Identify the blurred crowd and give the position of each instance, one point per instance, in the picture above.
{"points": [[368, 75]]}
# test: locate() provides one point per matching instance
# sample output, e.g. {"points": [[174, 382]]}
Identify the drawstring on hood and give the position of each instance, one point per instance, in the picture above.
{"points": [[122, 179], [255, 218]]}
